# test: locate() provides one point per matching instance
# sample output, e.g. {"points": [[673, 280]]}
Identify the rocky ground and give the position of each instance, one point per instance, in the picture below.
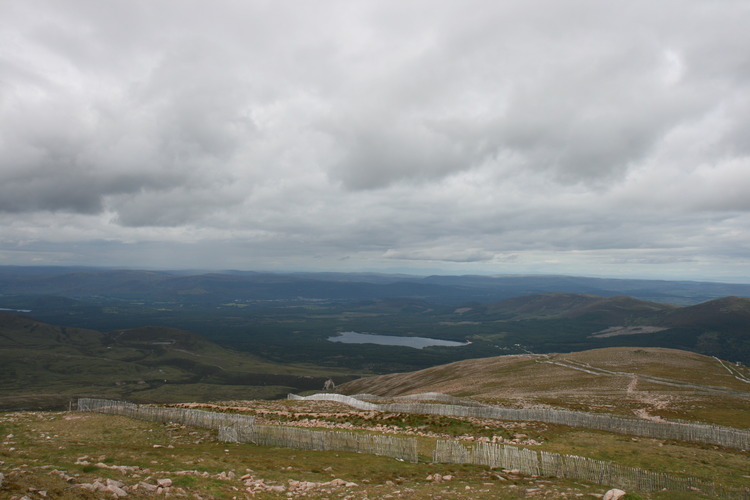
{"points": [[89, 456]]}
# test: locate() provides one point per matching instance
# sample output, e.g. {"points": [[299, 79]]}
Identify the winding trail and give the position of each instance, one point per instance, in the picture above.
{"points": [[733, 371], [587, 368]]}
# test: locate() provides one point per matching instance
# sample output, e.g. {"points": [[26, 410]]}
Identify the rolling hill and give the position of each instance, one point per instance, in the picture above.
{"points": [[573, 305], [564, 321], [648, 382], [46, 364]]}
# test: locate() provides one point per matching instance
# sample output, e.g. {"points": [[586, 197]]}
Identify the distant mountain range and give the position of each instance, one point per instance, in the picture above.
{"points": [[84, 283], [727, 313], [719, 327]]}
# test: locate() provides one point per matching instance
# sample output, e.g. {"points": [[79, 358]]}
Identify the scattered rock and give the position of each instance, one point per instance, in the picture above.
{"points": [[164, 483], [146, 486], [112, 482], [116, 490], [614, 494], [62, 474]]}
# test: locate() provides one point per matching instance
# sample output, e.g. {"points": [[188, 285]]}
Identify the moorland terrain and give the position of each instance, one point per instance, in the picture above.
{"points": [[87, 455], [236, 342]]}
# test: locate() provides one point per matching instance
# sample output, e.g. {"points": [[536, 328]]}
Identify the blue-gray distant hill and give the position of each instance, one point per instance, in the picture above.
{"points": [[83, 283]]}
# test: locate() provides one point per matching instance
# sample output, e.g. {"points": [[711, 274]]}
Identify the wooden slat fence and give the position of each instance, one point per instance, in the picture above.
{"points": [[424, 396], [307, 439], [680, 431], [241, 428], [544, 463], [185, 416]]}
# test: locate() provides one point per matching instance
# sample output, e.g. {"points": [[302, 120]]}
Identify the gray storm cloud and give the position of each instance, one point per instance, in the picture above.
{"points": [[375, 132]]}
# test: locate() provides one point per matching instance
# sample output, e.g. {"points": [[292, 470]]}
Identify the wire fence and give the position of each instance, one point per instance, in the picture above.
{"points": [[679, 431]]}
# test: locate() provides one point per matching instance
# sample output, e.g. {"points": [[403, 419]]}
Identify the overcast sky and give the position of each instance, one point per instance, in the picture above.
{"points": [[594, 137]]}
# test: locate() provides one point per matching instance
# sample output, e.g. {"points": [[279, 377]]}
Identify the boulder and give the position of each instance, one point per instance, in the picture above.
{"points": [[147, 487], [112, 482], [614, 494], [116, 490]]}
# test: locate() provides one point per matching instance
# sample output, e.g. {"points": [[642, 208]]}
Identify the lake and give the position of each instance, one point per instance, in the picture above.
{"points": [[415, 342]]}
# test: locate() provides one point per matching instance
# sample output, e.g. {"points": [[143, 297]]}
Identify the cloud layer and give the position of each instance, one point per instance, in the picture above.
{"points": [[572, 137]]}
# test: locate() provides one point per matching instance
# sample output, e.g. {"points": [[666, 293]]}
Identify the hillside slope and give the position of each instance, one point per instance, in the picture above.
{"points": [[572, 305], [142, 364], [565, 321], [651, 383]]}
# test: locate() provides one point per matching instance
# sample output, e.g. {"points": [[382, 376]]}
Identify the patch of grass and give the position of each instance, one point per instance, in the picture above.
{"points": [[185, 482], [706, 462]]}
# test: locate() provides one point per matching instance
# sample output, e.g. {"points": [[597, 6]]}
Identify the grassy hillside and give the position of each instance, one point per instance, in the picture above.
{"points": [[651, 383], [142, 364], [56, 454], [62, 452]]}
